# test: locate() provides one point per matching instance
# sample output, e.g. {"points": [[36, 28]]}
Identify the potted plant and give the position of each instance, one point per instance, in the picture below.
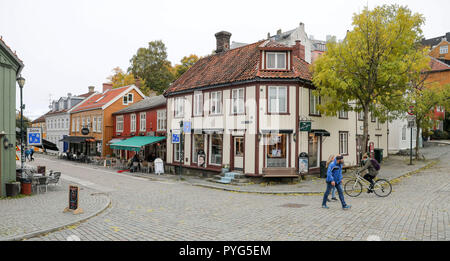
{"points": [[12, 188], [225, 168]]}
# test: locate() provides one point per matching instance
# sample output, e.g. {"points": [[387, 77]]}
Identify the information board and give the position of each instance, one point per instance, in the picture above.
{"points": [[34, 136]]}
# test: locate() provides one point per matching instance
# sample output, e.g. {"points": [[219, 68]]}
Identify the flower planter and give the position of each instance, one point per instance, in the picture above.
{"points": [[26, 187], [12, 189]]}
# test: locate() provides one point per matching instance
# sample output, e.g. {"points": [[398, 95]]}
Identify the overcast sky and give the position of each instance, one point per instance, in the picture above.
{"points": [[67, 46]]}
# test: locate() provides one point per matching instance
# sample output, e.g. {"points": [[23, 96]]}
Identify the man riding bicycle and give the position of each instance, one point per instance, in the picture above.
{"points": [[368, 171]]}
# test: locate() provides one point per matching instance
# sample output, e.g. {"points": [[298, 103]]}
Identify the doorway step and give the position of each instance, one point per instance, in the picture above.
{"points": [[234, 177]]}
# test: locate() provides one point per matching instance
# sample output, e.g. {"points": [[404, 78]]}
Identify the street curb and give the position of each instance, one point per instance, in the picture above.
{"points": [[49, 230], [299, 193]]}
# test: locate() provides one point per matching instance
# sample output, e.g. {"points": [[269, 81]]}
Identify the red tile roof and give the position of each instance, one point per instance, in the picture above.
{"points": [[437, 65], [235, 65], [96, 103], [40, 119]]}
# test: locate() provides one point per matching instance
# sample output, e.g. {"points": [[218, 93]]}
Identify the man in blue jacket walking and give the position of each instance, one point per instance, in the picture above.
{"points": [[334, 179]]}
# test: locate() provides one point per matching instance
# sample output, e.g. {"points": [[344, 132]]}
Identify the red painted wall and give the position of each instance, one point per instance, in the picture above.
{"points": [[151, 122]]}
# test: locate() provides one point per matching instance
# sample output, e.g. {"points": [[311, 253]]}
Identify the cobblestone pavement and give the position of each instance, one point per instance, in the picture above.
{"points": [[145, 209], [43, 211]]}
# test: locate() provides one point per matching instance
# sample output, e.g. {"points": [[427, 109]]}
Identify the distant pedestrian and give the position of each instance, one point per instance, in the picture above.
{"points": [[334, 179], [31, 154], [27, 155]]}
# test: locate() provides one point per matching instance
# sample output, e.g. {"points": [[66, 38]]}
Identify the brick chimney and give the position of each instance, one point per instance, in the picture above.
{"points": [[299, 50], [107, 86], [91, 89], [223, 41]]}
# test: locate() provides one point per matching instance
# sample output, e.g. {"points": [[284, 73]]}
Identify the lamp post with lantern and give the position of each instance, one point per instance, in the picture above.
{"points": [[21, 82]]}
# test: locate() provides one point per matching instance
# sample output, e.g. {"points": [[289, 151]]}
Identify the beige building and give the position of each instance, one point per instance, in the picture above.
{"points": [[245, 106]]}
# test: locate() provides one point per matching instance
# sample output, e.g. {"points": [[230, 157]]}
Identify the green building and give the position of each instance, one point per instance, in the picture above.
{"points": [[10, 68]]}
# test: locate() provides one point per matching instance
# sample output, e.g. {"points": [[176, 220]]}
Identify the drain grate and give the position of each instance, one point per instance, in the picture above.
{"points": [[292, 205]]}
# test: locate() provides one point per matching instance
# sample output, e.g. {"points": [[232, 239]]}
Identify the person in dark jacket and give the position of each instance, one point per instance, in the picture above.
{"points": [[368, 171], [31, 154], [334, 179]]}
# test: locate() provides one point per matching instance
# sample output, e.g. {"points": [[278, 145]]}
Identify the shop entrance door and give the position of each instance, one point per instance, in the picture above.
{"points": [[238, 147], [314, 150]]}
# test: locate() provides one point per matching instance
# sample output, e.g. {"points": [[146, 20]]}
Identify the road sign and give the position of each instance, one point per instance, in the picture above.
{"points": [[411, 110], [187, 127], [411, 124], [34, 136], [175, 138]]}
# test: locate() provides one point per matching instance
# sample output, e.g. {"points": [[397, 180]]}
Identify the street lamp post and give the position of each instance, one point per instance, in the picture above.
{"points": [[21, 82]]}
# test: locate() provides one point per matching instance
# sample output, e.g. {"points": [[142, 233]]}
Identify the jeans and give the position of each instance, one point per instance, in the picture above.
{"points": [[340, 193], [333, 192], [370, 179]]}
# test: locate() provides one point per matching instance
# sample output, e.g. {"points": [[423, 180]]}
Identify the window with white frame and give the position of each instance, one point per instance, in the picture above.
{"points": [[276, 60], [78, 124], [443, 49], [361, 116], [277, 99], [161, 120], [343, 143], [83, 123], [142, 121], [343, 114], [73, 125], [88, 123], [133, 122], [378, 124], [67, 124], [130, 98], [99, 124], [237, 96], [313, 101], [198, 104], [94, 124], [119, 123], [404, 132], [125, 100], [179, 107], [177, 151], [216, 102]]}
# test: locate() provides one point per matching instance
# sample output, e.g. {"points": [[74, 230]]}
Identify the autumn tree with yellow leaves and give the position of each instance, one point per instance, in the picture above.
{"points": [[370, 70]]}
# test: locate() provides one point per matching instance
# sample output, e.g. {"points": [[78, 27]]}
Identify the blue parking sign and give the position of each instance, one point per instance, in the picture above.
{"points": [[175, 138], [34, 136]]}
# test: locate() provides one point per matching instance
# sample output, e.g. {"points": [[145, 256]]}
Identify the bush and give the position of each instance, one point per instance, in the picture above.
{"points": [[440, 135]]}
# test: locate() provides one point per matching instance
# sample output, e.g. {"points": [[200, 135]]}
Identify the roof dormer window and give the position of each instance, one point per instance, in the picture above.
{"points": [[276, 60]]}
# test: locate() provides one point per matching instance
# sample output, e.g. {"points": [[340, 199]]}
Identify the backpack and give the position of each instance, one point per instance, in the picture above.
{"points": [[375, 164]]}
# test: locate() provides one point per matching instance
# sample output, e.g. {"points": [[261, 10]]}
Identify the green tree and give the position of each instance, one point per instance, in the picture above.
{"points": [[370, 69], [119, 79], [423, 98], [186, 63], [151, 64]]}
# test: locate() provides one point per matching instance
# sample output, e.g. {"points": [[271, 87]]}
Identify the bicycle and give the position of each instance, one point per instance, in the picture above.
{"points": [[354, 188]]}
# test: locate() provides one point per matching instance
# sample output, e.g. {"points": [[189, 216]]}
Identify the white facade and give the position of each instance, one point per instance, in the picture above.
{"points": [[400, 136], [269, 139], [58, 119]]}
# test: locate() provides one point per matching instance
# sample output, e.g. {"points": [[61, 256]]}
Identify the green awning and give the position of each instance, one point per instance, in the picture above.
{"points": [[136, 143]]}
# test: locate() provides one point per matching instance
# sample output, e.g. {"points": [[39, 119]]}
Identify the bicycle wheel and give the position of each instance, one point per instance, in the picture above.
{"points": [[382, 188], [353, 188]]}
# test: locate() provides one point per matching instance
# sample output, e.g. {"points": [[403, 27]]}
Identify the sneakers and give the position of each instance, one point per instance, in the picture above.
{"points": [[334, 199], [369, 191], [328, 200], [346, 207], [324, 206]]}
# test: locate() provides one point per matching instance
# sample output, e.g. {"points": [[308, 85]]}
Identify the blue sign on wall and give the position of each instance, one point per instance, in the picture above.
{"points": [[187, 127], [175, 138]]}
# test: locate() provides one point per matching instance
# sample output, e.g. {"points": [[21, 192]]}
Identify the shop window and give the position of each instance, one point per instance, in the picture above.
{"points": [[216, 149], [198, 146], [276, 151]]}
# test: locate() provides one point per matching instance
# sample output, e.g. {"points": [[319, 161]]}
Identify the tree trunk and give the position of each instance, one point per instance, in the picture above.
{"points": [[366, 130], [417, 138]]}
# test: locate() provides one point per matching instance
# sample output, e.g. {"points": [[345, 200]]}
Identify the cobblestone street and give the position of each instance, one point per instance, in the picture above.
{"points": [[145, 209]]}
